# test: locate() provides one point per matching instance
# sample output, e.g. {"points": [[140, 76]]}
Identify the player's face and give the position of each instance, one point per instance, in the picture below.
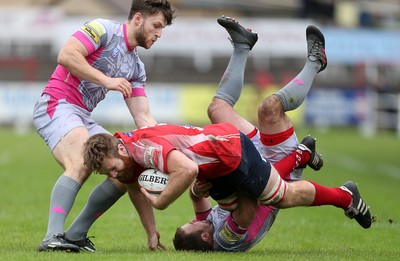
{"points": [[120, 167], [150, 30], [196, 225]]}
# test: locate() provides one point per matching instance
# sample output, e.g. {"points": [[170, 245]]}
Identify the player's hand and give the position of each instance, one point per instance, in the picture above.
{"points": [[154, 243], [153, 199], [202, 188], [119, 84]]}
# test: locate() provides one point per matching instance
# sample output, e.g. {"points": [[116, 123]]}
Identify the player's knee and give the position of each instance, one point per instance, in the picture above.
{"points": [[212, 108], [217, 109], [270, 109]]}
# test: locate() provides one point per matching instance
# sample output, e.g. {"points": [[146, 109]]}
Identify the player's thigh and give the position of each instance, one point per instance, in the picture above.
{"points": [[68, 151], [220, 111]]}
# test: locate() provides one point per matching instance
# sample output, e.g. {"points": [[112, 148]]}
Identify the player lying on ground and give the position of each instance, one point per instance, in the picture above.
{"points": [[212, 229]]}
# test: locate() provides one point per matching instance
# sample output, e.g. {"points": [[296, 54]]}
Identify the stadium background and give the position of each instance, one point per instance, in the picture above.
{"points": [[353, 110], [184, 67]]}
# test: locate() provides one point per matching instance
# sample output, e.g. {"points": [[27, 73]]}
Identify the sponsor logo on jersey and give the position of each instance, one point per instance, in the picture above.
{"points": [[92, 34], [228, 236], [150, 157], [129, 134], [95, 30], [115, 52]]}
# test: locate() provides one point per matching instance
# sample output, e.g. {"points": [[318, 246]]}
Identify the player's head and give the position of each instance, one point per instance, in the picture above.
{"points": [[194, 236], [146, 21], [152, 7], [105, 154]]}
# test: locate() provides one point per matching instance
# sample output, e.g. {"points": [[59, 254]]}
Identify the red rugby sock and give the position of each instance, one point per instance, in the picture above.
{"points": [[294, 160], [331, 196]]}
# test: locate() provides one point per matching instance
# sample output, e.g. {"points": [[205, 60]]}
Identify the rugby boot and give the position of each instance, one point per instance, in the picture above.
{"points": [[316, 46], [358, 209], [238, 34]]}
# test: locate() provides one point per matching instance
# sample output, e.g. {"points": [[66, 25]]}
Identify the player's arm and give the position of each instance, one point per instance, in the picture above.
{"points": [[146, 214], [198, 194], [73, 57], [182, 171], [140, 111]]}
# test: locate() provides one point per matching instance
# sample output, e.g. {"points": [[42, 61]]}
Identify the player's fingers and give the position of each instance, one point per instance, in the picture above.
{"points": [[128, 87], [161, 246], [124, 89]]}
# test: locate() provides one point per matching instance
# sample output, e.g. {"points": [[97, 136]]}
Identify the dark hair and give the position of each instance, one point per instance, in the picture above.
{"points": [[97, 148], [151, 7], [190, 242]]}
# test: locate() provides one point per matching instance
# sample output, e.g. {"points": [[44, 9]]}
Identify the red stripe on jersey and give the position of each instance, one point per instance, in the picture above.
{"points": [[215, 148]]}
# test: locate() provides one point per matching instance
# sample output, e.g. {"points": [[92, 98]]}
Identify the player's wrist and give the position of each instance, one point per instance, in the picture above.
{"points": [[193, 193]]}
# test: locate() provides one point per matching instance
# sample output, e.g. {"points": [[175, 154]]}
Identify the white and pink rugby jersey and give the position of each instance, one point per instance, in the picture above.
{"points": [[109, 52]]}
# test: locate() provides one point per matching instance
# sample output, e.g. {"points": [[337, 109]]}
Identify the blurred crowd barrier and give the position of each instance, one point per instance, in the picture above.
{"points": [[187, 104], [359, 87]]}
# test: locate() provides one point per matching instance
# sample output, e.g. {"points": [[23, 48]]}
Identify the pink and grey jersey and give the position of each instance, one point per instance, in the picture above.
{"points": [[227, 238], [215, 148], [108, 51]]}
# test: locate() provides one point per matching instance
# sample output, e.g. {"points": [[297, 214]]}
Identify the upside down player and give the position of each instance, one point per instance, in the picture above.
{"points": [[215, 229]]}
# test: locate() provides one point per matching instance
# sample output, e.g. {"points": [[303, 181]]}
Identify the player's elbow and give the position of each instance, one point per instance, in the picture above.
{"points": [[192, 170]]}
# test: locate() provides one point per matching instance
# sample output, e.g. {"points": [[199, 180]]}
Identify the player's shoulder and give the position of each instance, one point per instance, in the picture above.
{"points": [[102, 25]]}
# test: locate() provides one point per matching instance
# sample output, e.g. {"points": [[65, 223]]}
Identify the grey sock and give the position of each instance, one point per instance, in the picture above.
{"points": [[62, 198], [99, 201], [294, 93], [231, 84]]}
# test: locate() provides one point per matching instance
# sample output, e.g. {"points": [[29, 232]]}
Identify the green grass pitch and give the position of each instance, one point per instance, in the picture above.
{"points": [[28, 173]]}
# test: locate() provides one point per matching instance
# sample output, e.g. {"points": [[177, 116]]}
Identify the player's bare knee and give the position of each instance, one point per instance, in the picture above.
{"points": [[270, 109], [217, 109]]}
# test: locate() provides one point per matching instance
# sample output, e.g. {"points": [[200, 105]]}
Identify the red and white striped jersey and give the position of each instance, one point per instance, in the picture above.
{"points": [[216, 148]]}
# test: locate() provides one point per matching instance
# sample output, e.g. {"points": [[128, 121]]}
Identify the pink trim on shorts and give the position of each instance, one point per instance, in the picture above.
{"points": [[51, 106], [138, 92]]}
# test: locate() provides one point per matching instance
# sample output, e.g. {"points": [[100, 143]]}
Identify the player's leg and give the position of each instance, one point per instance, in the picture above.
{"points": [[100, 200], [230, 86], [66, 144], [272, 111], [275, 126], [65, 190], [61, 127], [102, 197], [283, 194]]}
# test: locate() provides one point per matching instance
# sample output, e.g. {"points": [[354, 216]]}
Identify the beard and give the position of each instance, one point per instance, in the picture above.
{"points": [[141, 38], [128, 173]]}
